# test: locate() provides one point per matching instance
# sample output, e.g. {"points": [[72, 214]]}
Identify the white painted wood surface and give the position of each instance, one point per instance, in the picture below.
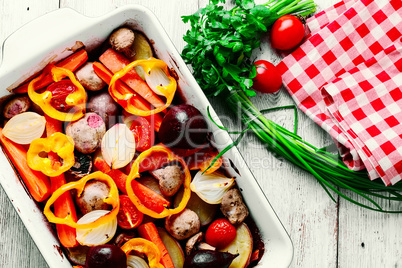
{"points": [[324, 233]]}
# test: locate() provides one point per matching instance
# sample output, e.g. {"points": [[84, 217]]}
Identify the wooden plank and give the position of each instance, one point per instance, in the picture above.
{"points": [[16, 247], [368, 238]]}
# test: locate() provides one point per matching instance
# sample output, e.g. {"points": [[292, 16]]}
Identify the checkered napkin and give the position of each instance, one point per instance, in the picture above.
{"points": [[347, 77]]}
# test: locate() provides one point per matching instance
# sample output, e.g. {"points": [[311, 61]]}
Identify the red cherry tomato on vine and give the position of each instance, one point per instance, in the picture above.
{"points": [[129, 216], [143, 133], [287, 32], [60, 90], [220, 233], [268, 78]]}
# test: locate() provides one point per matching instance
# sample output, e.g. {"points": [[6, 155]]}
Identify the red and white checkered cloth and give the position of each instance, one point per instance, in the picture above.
{"points": [[347, 77]]}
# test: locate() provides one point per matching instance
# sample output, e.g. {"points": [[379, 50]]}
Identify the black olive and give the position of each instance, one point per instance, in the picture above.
{"points": [[82, 165], [208, 259]]}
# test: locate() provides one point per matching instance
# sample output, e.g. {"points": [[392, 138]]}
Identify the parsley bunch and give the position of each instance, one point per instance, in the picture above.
{"points": [[219, 46], [220, 41]]}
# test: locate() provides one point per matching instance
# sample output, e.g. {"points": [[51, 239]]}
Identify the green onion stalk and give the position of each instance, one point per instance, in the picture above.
{"points": [[219, 47]]}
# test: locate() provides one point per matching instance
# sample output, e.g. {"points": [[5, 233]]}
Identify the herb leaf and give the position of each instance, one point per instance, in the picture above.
{"points": [[220, 42]]}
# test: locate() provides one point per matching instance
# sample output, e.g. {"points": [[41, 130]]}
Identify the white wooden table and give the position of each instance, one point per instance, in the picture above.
{"points": [[324, 233]]}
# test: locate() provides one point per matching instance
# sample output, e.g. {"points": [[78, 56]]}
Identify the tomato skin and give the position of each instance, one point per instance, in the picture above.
{"points": [[220, 233], [268, 78], [129, 216], [287, 32], [143, 133], [60, 90]]}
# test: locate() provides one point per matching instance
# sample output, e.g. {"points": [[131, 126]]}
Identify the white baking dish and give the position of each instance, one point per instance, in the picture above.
{"points": [[29, 49]]}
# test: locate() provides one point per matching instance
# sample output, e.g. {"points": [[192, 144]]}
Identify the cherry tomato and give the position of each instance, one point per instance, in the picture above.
{"points": [[60, 90], [143, 133], [287, 32], [268, 79], [220, 233], [129, 216]]}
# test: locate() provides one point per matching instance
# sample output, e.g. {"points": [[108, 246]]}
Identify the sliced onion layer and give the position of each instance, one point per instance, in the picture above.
{"points": [[99, 235], [118, 146], [157, 77], [211, 187], [136, 262], [24, 128]]}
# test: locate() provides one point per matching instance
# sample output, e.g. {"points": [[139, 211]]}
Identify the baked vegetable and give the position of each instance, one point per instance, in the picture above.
{"points": [[170, 179], [208, 259], [37, 183], [183, 225], [16, 105], [103, 105], [233, 207], [122, 40], [88, 78], [106, 256], [87, 132], [59, 144], [183, 127], [82, 165], [93, 196], [63, 100]]}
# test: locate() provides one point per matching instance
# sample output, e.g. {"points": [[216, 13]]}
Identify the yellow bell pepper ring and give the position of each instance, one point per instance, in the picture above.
{"points": [[60, 144], [112, 199], [168, 91], [134, 173], [77, 99], [146, 247]]}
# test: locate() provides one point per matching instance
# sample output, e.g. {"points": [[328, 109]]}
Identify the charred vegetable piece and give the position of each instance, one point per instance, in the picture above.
{"points": [[78, 254], [124, 237], [208, 259], [106, 256], [183, 127], [16, 106], [82, 165]]}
